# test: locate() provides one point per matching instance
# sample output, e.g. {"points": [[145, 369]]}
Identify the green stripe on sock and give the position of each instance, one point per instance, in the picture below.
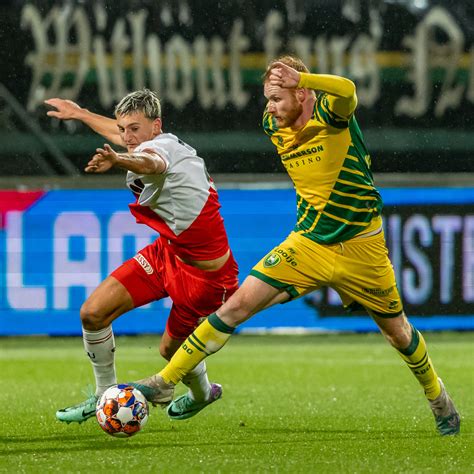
{"points": [[415, 340], [198, 341], [420, 363], [218, 324], [195, 345]]}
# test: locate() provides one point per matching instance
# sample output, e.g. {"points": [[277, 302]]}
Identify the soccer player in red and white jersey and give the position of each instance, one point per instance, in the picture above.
{"points": [[190, 261]]}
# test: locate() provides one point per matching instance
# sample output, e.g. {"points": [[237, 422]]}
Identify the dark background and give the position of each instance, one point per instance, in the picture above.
{"points": [[230, 138]]}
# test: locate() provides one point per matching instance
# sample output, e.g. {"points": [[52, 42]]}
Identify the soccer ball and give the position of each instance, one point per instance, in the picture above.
{"points": [[122, 411]]}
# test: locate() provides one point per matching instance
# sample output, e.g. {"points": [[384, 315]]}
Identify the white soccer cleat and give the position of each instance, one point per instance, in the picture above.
{"points": [[155, 390], [448, 421]]}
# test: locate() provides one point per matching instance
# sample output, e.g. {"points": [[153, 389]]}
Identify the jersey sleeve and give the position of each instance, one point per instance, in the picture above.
{"points": [[337, 101]]}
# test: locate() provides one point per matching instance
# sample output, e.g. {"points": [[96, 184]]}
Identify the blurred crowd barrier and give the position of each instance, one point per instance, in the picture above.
{"points": [[412, 61]]}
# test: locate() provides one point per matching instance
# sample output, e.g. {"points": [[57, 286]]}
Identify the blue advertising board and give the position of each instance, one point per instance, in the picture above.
{"points": [[57, 246]]}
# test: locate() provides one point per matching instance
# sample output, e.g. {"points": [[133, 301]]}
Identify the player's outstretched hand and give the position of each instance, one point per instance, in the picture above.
{"points": [[284, 76], [65, 109], [104, 159]]}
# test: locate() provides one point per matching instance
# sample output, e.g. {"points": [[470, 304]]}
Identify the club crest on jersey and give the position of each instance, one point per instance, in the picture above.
{"points": [[144, 263], [272, 260]]}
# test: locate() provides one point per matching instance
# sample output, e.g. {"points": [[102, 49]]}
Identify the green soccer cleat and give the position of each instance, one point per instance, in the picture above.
{"points": [[155, 390], [185, 407], [78, 413], [448, 421]]}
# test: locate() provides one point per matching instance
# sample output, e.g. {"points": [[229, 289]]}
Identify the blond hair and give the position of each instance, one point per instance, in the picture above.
{"points": [[144, 101]]}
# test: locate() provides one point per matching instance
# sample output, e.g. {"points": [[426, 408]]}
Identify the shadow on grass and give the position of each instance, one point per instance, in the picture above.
{"points": [[90, 443]]}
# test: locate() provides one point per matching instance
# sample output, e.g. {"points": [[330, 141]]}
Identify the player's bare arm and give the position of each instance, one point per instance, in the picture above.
{"points": [[144, 162], [69, 110]]}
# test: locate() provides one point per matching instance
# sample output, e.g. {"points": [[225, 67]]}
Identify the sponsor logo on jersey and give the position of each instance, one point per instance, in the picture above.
{"points": [[303, 162], [272, 260], [308, 151], [144, 263]]}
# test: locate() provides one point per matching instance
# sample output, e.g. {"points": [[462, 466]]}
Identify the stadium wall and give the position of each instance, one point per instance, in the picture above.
{"points": [[56, 247]]}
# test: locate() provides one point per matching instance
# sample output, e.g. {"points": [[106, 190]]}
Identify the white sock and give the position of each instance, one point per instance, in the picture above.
{"points": [[198, 382], [100, 347]]}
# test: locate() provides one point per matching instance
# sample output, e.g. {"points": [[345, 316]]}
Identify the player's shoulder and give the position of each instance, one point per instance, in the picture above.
{"points": [[172, 142], [326, 113], [161, 140], [162, 143]]}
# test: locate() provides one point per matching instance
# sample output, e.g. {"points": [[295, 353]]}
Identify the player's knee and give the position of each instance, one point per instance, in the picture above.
{"points": [[92, 317], [397, 340], [237, 309], [399, 335]]}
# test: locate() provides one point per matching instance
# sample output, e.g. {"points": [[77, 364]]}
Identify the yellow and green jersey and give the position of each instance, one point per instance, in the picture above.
{"points": [[329, 165]]}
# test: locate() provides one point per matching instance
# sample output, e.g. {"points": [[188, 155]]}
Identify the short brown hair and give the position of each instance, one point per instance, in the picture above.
{"points": [[292, 61]]}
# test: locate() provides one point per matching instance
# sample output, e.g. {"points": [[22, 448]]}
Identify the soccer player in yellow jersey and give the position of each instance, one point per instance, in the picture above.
{"points": [[337, 241]]}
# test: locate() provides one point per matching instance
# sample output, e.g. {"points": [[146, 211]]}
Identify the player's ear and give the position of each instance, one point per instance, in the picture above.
{"points": [[301, 95], [157, 126]]}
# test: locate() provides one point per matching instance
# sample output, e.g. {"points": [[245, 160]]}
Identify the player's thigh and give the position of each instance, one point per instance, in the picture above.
{"points": [[184, 317], [131, 285], [296, 266], [108, 301], [364, 274], [253, 295], [142, 276], [196, 294]]}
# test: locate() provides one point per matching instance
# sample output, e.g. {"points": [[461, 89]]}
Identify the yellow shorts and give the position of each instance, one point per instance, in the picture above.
{"points": [[358, 269]]}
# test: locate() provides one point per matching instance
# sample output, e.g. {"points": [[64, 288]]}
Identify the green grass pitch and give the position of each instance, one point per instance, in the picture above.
{"points": [[291, 404]]}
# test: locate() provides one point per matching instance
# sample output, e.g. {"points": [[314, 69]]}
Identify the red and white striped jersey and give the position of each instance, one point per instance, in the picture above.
{"points": [[181, 203]]}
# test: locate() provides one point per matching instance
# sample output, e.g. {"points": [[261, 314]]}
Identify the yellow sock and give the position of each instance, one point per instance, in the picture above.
{"points": [[206, 339], [417, 358]]}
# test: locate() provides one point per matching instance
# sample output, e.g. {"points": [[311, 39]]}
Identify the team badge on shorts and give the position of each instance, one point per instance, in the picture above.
{"points": [[272, 260]]}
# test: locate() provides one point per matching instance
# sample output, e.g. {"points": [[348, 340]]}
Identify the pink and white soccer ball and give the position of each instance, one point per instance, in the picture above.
{"points": [[122, 411]]}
